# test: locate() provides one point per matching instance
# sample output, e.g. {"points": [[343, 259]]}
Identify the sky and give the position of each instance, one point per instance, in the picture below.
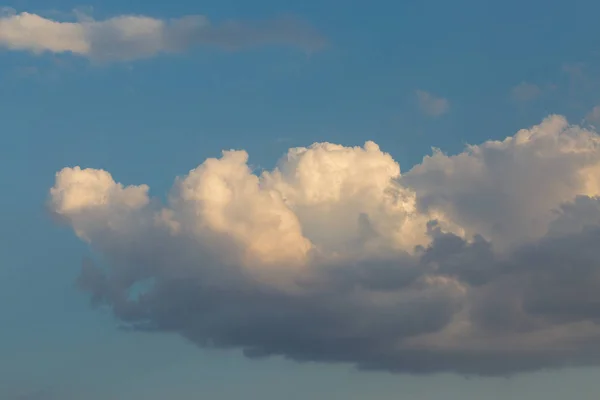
{"points": [[307, 199]]}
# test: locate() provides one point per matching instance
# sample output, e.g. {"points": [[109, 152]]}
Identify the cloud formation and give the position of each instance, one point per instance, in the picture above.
{"points": [[485, 262], [130, 37], [432, 105]]}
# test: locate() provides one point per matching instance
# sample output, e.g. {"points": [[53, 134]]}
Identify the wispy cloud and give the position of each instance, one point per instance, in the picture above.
{"points": [[431, 104], [525, 92], [593, 117], [130, 37], [575, 70]]}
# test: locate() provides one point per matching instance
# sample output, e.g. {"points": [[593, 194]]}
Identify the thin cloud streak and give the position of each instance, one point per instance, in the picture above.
{"points": [[131, 37]]}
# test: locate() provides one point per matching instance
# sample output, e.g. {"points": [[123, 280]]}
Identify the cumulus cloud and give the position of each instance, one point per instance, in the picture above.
{"points": [[484, 262], [432, 105], [130, 37]]}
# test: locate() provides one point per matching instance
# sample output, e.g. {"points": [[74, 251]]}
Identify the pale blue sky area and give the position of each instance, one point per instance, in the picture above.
{"points": [[148, 121]]}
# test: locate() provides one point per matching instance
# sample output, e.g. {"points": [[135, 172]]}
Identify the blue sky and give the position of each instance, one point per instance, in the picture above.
{"points": [[150, 120]]}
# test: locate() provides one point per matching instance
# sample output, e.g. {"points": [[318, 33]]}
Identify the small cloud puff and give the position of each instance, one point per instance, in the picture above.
{"points": [[484, 262], [525, 92], [432, 105]]}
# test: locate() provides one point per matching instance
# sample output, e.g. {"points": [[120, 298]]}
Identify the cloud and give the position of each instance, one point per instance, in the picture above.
{"points": [[509, 190], [593, 116], [484, 262], [131, 37], [525, 92], [432, 105]]}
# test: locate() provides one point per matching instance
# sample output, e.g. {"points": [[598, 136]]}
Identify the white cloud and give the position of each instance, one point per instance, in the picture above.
{"points": [[78, 189], [459, 264], [432, 105], [130, 37], [317, 199], [508, 190], [525, 92]]}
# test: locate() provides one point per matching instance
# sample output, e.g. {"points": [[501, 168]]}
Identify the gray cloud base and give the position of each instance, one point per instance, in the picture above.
{"points": [[555, 280]]}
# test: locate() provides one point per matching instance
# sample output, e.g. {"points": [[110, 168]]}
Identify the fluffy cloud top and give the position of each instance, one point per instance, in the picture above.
{"points": [[129, 37], [484, 262]]}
